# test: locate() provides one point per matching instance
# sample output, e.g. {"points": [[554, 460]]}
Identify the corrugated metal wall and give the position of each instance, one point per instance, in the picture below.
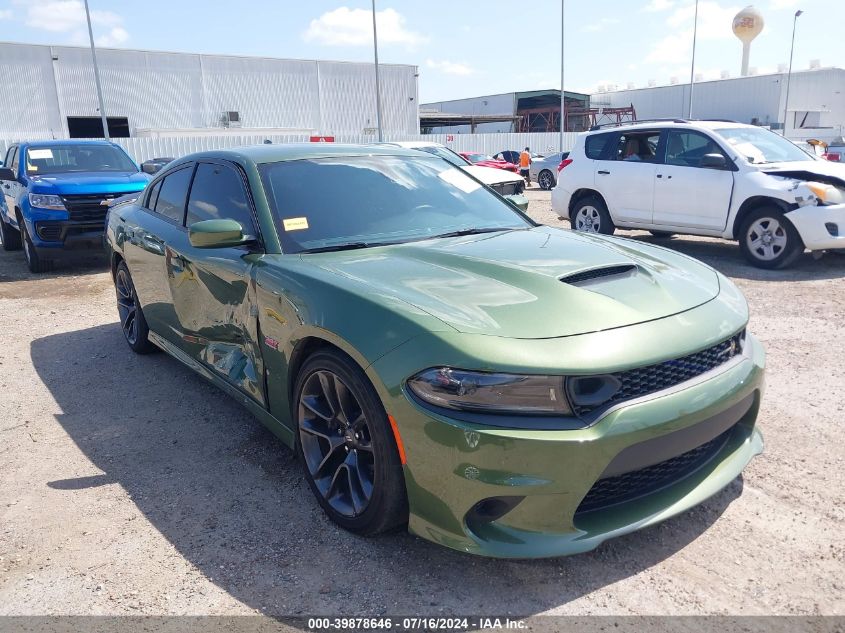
{"points": [[142, 149], [44, 85], [491, 104]]}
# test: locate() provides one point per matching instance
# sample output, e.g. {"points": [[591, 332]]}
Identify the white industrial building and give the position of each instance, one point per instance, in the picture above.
{"points": [[816, 101], [49, 92]]}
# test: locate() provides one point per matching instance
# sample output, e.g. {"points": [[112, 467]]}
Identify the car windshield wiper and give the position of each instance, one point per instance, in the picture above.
{"points": [[346, 246], [474, 231]]}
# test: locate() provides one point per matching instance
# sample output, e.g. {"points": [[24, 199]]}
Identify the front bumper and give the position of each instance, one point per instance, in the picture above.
{"points": [[453, 465], [820, 227]]}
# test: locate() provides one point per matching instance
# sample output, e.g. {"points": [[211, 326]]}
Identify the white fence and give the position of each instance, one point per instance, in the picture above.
{"points": [[142, 148]]}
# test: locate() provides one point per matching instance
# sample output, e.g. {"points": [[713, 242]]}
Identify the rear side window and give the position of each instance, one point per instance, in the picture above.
{"points": [[15, 161], [9, 155], [173, 194], [218, 193], [153, 196], [595, 145]]}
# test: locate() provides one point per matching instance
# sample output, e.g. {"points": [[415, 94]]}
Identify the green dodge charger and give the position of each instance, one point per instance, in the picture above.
{"points": [[436, 359]]}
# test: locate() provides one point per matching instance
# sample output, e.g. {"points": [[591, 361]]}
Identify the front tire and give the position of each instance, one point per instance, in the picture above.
{"points": [[590, 215], [11, 238], [34, 261], [767, 239], [546, 180], [346, 446], [132, 320]]}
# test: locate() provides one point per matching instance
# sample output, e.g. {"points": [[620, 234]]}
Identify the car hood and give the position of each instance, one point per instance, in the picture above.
{"points": [[89, 182], [491, 175], [520, 284]]}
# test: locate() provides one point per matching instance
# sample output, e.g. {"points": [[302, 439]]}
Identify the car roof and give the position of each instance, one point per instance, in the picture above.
{"points": [[59, 142], [271, 153], [709, 124]]}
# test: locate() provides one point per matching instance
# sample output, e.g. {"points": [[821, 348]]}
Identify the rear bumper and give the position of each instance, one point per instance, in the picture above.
{"points": [[560, 201], [820, 227]]}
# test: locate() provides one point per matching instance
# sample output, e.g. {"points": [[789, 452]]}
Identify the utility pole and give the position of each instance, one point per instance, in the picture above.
{"points": [[562, 92], [692, 66], [378, 87], [789, 74], [97, 74]]}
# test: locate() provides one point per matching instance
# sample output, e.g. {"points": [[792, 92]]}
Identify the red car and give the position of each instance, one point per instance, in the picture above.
{"points": [[488, 161]]}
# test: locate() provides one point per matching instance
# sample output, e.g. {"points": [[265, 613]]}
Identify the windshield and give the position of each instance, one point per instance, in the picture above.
{"points": [[361, 201], [758, 146], [476, 158], [69, 158], [446, 154]]}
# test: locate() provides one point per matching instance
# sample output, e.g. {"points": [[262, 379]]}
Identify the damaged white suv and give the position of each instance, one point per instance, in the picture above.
{"points": [[713, 178]]}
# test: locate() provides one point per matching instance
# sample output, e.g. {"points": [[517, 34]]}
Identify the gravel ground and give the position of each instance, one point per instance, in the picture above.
{"points": [[128, 485]]}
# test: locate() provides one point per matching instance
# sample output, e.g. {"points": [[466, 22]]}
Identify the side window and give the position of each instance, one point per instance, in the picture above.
{"points": [[15, 161], [10, 153], [218, 193], [686, 148], [638, 147], [172, 195], [595, 145], [152, 197]]}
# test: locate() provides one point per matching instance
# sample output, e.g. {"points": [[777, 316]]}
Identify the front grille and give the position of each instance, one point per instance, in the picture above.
{"points": [[645, 380], [87, 208], [638, 483], [509, 188]]}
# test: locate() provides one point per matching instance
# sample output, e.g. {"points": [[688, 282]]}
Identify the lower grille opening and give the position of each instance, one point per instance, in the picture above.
{"points": [[612, 491], [48, 231]]}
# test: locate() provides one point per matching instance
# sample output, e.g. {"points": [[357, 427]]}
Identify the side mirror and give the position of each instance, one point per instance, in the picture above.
{"points": [[7, 174], [150, 168], [713, 161], [217, 234]]}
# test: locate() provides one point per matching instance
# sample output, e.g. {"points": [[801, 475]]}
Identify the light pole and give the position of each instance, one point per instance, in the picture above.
{"points": [[692, 65], [97, 75], [789, 74], [378, 87], [562, 92]]}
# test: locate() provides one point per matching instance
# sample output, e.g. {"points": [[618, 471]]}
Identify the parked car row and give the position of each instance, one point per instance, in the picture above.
{"points": [[711, 178]]}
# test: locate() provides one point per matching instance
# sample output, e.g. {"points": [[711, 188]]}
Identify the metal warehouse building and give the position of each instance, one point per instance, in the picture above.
{"points": [[49, 91], [816, 101]]}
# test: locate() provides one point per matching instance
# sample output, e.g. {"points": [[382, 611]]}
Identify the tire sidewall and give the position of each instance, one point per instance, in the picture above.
{"points": [[606, 226], [550, 177], [388, 479], [142, 344], [794, 243]]}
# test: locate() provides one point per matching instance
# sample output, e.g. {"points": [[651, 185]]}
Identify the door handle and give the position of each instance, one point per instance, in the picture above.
{"points": [[604, 173], [660, 175]]}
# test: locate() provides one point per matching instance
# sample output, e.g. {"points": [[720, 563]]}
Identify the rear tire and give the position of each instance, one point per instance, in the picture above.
{"points": [[546, 180], [767, 239], [11, 238], [34, 261], [346, 446], [590, 215], [132, 320]]}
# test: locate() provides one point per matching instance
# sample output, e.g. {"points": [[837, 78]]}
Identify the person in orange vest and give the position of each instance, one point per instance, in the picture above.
{"points": [[525, 165]]}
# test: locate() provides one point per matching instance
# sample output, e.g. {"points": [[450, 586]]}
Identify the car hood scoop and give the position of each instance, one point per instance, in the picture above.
{"points": [[537, 283]]}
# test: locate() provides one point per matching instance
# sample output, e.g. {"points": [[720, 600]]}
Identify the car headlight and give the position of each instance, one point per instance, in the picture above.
{"points": [[826, 194], [46, 201], [491, 392]]}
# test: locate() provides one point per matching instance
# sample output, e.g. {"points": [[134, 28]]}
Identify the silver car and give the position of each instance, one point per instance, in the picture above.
{"points": [[544, 170]]}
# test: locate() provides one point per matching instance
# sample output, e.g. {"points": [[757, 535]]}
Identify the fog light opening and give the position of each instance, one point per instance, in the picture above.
{"points": [[491, 509], [832, 228]]}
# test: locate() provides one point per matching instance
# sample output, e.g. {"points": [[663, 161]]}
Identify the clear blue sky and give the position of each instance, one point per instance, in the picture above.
{"points": [[463, 48]]}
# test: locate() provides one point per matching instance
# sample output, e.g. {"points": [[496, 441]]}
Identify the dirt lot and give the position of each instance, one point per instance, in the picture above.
{"points": [[130, 486]]}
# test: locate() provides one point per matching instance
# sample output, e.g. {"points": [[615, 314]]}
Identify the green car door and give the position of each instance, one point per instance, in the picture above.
{"points": [[145, 232], [212, 288]]}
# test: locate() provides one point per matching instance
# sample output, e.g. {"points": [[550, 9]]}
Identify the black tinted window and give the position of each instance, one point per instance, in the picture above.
{"points": [[153, 195], [596, 144], [217, 193], [330, 202], [172, 195]]}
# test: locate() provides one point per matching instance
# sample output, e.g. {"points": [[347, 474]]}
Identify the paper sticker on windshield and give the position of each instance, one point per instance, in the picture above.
{"points": [[295, 224], [40, 153], [459, 179]]}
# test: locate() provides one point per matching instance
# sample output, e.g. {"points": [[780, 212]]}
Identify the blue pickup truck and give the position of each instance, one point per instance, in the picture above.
{"points": [[56, 196]]}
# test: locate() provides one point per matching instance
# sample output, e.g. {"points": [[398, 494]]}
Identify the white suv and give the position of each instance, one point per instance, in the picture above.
{"points": [[713, 178]]}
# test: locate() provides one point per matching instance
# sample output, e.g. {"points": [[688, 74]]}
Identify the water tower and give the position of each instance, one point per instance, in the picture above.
{"points": [[747, 25]]}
